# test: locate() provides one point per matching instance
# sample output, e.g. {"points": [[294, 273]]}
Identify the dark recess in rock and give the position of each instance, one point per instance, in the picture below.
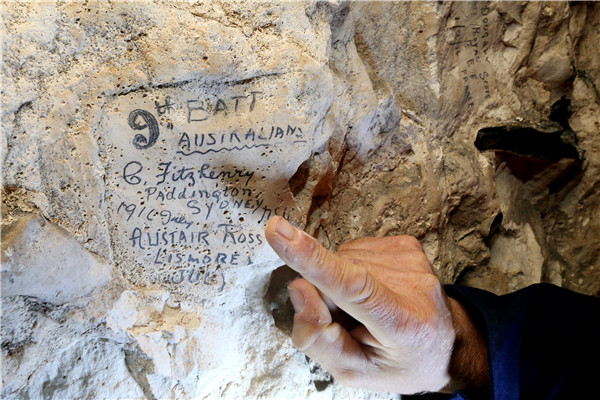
{"points": [[526, 141], [322, 385], [299, 179], [140, 365], [530, 142], [319, 376], [495, 225], [560, 112], [277, 300]]}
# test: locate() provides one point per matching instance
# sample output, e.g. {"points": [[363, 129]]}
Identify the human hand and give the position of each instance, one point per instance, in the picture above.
{"points": [[408, 327]]}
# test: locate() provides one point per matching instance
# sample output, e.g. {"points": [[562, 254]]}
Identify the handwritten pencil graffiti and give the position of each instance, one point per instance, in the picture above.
{"points": [[470, 44], [140, 141], [193, 182]]}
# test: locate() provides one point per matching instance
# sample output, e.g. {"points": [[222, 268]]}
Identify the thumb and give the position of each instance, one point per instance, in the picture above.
{"points": [[349, 285]]}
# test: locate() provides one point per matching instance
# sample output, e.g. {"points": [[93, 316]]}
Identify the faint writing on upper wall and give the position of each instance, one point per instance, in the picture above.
{"points": [[472, 29]]}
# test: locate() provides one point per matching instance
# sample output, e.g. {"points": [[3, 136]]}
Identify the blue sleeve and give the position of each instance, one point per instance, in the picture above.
{"points": [[543, 342]]}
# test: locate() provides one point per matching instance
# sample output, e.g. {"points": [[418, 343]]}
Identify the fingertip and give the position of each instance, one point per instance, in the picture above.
{"points": [[296, 284], [291, 244], [311, 309], [278, 226], [278, 243], [297, 299], [325, 270], [302, 284], [310, 294], [270, 228], [286, 230]]}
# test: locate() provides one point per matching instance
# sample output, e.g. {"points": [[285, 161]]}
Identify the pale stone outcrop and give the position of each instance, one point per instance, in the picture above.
{"points": [[145, 145]]}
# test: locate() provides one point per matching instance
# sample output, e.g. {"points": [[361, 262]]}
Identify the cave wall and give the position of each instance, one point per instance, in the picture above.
{"points": [[145, 145]]}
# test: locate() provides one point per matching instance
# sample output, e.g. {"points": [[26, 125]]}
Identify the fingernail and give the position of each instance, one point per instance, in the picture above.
{"points": [[285, 229], [297, 299]]}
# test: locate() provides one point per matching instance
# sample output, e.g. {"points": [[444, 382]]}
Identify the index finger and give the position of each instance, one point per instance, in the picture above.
{"points": [[349, 285], [387, 243]]}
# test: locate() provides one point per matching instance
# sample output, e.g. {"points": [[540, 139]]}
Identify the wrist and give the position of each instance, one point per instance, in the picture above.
{"points": [[468, 364]]}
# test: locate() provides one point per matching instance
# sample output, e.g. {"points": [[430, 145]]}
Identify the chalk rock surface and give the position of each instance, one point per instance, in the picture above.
{"points": [[145, 145]]}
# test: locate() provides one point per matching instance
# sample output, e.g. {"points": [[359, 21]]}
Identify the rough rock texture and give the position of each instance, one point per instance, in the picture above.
{"points": [[145, 144]]}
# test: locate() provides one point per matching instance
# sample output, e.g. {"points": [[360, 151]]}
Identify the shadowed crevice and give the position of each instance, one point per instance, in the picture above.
{"points": [[529, 142], [140, 365]]}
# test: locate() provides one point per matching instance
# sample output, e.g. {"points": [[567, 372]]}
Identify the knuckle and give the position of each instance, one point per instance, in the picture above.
{"points": [[366, 288], [312, 317], [303, 339], [344, 247], [353, 282], [431, 282], [300, 342], [347, 377], [431, 287], [318, 254], [297, 341], [308, 328], [420, 258], [409, 242], [355, 256], [356, 243]]}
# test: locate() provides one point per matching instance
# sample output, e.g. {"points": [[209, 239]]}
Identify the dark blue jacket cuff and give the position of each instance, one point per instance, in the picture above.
{"points": [[543, 342]]}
